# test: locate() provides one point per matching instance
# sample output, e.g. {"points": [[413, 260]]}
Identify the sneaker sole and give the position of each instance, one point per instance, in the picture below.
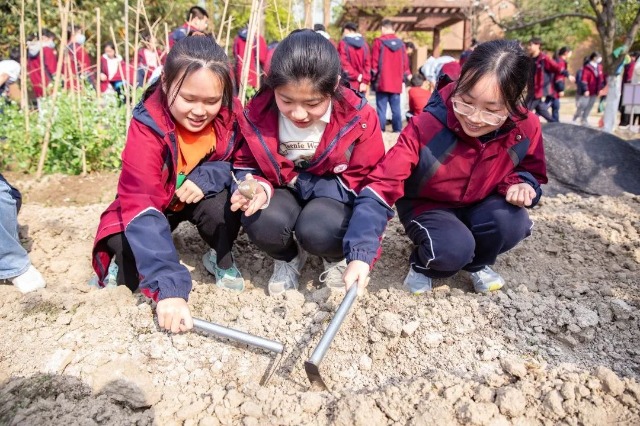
{"points": [[209, 267]]}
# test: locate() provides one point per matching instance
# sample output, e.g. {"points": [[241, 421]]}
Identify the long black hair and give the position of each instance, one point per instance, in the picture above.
{"points": [[508, 62], [305, 55], [187, 56]]}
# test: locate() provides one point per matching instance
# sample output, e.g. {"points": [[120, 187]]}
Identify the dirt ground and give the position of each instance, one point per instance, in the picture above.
{"points": [[558, 345]]}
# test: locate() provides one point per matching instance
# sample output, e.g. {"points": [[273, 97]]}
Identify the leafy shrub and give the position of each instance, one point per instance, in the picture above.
{"points": [[79, 122]]}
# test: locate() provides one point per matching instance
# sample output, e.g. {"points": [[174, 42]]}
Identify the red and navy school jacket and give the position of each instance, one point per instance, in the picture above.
{"points": [[435, 165], [593, 78], [543, 64], [389, 63], [350, 147], [557, 83], [34, 69], [355, 58], [76, 67], [179, 33], [146, 186], [259, 48]]}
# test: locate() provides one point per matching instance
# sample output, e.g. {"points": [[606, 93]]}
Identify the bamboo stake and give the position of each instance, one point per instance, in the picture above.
{"points": [[258, 19], [223, 17], [275, 7], [289, 17], [135, 58], [246, 62], [54, 96], [41, 53], [166, 37], [24, 101], [98, 58], [127, 96], [226, 45]]}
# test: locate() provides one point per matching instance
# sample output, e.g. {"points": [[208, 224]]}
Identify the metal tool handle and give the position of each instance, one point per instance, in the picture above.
{"points": [[238, 336], [334, 325]]}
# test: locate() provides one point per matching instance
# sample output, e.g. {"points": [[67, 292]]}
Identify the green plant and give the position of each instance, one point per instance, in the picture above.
{"points": [[80, 125]]}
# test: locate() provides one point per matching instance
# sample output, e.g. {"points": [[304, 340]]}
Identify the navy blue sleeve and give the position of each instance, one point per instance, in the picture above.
{"points": [[366, 227], [528, 178], [149, 236], [211, 177]]}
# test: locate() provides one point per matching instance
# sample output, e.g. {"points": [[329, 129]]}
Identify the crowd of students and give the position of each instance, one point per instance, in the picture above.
{"points": [[303, 169]]}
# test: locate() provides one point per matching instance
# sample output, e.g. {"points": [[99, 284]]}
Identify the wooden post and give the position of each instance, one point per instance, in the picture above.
{"points": [[280, 30], [288, 18], [126, 58], [47, 132], [135, 58], [41, 53], [226, 45], [259, 20], [222, 18], [24, 101], [98, 57], [246, 60]]}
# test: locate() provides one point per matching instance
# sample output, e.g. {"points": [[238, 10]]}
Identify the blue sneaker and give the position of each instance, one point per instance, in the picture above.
{"points": [[486, 280], [231, 279], [416, 282], [111, 280]]}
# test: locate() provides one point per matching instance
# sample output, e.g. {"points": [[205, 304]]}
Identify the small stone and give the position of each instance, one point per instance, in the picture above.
{"points": [[514, 367], [568, 391], [294, 297], [553, 404], [191, 410], [209, 421], [409, 328], [180, 342], [585, 317], [476, 413], [621, 309], [311, 402], [252, 409], [234, 398], [454, 393], [511, 401], [321, 295], [365, 362], [610, 381], [389, 324], [484, 394], [433, 339]]}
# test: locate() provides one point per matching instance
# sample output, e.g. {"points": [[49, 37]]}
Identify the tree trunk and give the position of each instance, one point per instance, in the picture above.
{"points": [[308, 14], [611, 103]]}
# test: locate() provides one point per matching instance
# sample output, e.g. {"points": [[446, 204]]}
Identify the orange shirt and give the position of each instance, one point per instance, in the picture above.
{"points": [[193, 147]]}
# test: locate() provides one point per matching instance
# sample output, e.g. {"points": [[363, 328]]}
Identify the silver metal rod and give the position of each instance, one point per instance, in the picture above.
{"points": [[238, 336], [334, 325]]}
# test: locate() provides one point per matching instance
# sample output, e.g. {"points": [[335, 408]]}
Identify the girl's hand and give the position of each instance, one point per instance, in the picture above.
{"points": [[103, 77], [586, 93], [189, 192], [174, 315], [249, 206], [520, 194], [357, 272]]}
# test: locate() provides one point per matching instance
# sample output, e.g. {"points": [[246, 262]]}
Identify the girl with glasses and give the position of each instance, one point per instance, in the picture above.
{"points": [[461, 175]]}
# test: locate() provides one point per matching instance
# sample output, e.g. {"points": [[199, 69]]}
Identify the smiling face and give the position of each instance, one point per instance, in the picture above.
{"points": [[484, 96], [301, 103], [197, 101]]}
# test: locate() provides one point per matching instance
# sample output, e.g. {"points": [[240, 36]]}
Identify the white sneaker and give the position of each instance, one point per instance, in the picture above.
{"points": [[31, 280], [486, 280], [416, 282], [285, 274], [332, 275]]}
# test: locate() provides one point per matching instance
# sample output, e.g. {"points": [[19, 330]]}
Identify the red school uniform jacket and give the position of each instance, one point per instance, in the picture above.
{"points": [[34, 69], [350, 147], [543, 64], [389, 64], [146, 186], [435, 165], [355, 58], [593, 78], [239, 46], [76, 67]]}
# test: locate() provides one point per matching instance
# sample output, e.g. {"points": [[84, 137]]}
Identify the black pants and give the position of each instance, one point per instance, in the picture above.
{"points": [[469, 238], [540, 108], [319, 226], [216, 223]]}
